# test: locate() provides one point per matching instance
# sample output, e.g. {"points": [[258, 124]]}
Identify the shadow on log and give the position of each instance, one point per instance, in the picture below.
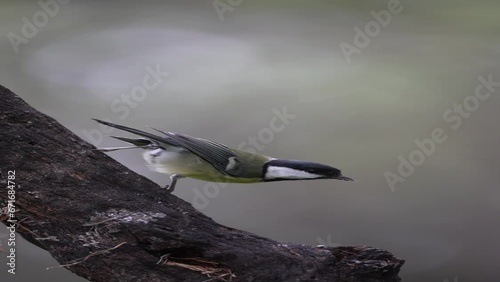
{"points": [[106, 223]]}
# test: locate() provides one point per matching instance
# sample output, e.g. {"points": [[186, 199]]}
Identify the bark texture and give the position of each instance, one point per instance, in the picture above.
{"points": [[106, 223]]}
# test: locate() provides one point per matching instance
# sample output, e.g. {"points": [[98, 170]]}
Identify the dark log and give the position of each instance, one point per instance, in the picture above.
{"points": [[106, 223]]}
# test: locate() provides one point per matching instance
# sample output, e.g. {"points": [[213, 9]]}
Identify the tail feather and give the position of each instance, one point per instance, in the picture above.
{"points": [[138, 132], [140, 142], [111, 149]]}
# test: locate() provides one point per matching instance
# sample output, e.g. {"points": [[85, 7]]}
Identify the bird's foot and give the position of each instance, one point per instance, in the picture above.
{"points": [[170, 187], [167, 188]]}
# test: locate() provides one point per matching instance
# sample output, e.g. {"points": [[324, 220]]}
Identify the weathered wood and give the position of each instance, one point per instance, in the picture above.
{"points": [[77, 203]]}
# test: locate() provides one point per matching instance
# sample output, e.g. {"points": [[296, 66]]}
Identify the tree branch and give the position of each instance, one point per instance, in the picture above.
{"points": [[106, 223]]}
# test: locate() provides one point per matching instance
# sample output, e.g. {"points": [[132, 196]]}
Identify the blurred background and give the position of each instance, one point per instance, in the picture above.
{"points": [[361, 81]]}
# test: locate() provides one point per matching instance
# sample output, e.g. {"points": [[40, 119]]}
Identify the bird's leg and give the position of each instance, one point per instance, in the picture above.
{"points": [[174, 177]]}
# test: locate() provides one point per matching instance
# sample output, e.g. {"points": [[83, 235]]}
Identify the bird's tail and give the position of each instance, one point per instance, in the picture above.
{"points": [[137, 142], [130, 129]]}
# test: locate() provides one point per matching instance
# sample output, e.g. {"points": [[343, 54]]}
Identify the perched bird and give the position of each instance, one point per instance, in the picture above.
{"points": [[185, 156]]}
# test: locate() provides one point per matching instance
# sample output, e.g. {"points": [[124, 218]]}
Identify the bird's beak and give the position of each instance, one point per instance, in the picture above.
{"points": [[345, 178]]}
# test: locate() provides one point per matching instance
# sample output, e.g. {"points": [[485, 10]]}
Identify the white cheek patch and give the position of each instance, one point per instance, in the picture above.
{"points": [[277, 172]]}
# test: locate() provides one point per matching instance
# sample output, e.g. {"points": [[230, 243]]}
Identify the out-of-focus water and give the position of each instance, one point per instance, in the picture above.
{"points": [[415, 73]]}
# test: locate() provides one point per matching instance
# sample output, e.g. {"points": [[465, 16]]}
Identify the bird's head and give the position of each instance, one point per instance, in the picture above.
{"points": [[276, 169]]}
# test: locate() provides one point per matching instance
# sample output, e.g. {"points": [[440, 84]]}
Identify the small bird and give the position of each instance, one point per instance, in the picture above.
{"points": [[185, 156]]}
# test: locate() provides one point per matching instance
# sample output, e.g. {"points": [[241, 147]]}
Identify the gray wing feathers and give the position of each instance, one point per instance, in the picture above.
{"points": [[220, 156]]}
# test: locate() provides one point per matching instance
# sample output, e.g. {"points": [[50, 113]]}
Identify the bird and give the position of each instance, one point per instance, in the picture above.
{"points": [[183, 156]]}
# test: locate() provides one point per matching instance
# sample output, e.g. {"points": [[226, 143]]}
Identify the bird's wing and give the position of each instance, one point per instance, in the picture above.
{"points": [[218, 155]]}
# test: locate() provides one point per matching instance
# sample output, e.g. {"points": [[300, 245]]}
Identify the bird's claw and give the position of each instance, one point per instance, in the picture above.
{"points": [[168, 189]]}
